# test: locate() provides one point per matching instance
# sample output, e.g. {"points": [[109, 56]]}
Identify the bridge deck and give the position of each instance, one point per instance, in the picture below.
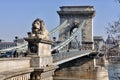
{"points": [[63, 57]]}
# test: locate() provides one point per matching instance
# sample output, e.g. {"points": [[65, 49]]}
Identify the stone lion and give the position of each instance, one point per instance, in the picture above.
{"points": [[39, 30]]}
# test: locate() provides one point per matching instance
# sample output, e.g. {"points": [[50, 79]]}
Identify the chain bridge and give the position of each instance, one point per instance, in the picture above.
{"points": [[74, 21], [63, 55]]}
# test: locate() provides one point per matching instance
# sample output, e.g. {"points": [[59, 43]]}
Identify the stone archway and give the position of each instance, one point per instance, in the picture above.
{"points": [[75, 43], [71, 13]]}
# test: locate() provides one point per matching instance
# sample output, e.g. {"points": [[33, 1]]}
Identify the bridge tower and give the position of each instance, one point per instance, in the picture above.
{"points": [[77, 14]]}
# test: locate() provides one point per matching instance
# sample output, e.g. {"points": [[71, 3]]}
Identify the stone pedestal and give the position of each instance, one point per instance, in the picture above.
{"points": [[101, 73], [43, 73], [39, 51], [41, 59]]}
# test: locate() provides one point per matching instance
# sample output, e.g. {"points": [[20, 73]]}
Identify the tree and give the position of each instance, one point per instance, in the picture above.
{"points": [[114, 28]]}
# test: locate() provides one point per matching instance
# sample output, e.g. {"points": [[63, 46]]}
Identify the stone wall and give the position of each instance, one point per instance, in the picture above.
{"points": [[15, 69], [20, 77], [8, 64]]}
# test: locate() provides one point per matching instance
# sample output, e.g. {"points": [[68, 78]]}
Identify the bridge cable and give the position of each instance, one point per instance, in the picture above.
{"points": [[66, 42]]}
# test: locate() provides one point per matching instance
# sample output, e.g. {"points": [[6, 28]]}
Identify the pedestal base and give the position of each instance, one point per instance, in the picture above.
{"points": [[43, 73], [41, 62]]}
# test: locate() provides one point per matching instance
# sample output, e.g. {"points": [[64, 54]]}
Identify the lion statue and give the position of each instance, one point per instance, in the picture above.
{"points": [[39, 30]]}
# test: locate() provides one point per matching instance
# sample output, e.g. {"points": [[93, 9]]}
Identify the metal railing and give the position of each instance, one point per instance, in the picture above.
{"points": [[71, 54]]}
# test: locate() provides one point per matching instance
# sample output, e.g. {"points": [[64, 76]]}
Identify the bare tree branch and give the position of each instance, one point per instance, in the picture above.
{"points": [[114, 28]]}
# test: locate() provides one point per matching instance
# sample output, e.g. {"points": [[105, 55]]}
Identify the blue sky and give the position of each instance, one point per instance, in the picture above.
{"points": [[16, 16]]}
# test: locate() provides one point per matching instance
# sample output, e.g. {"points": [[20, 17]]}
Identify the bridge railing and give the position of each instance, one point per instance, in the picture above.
{"points": [[72, 53]]}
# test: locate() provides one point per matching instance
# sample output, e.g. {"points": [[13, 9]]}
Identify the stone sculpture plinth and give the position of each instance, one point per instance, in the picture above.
{"points": [[39, 49]]}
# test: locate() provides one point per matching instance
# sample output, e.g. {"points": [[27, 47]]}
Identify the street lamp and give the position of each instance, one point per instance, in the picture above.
{"points": [[54, 39], [16, 39]]}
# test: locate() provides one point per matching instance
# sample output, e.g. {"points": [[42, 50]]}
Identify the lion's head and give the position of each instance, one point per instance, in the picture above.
{"points": [[38, 28]]}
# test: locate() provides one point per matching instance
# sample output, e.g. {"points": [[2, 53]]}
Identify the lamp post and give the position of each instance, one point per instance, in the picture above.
{"points": [[54, 39], [16, 40]]}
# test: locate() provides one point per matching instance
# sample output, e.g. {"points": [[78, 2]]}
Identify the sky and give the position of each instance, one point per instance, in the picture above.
{"points": [[16, 16]]}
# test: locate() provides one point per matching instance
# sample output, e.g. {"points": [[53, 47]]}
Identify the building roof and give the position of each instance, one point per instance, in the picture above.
{"points": [[77, 6], [4, 45], [77, 10], [7, 43], [98, 38]]}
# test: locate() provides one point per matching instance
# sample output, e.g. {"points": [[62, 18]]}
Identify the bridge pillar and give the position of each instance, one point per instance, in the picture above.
{"points": [[39, 49], [78, 13], [101, 73]]}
